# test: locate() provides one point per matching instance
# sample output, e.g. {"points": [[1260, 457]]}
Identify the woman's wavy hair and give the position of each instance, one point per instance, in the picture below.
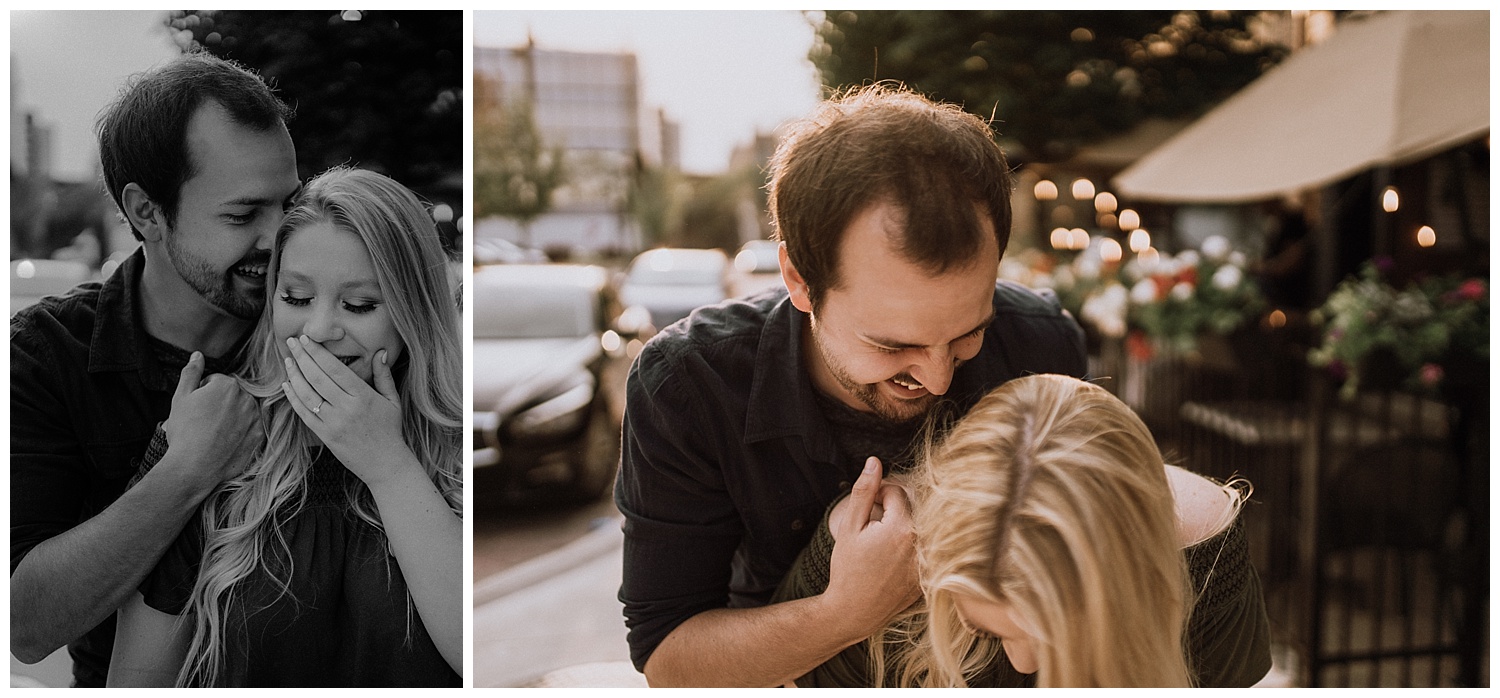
{"points": [[244, 518], [1050, 495]]}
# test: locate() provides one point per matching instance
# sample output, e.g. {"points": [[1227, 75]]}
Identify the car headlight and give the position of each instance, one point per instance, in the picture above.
{"points": [[556, 416]]}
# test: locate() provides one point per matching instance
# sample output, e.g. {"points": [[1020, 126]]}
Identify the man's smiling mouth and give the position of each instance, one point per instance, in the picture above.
{"points": [[252, 271]]}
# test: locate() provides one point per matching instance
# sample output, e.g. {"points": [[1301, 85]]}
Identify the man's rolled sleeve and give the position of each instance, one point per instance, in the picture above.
{"points": [[681, 526]]}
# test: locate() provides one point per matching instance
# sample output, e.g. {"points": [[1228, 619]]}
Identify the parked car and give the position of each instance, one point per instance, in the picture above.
{"points": [[757, 267], [33, 279], [668, 283], [502, 251], [541, 415]]}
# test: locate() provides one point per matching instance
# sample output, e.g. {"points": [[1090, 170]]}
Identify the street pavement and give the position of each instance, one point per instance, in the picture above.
{"points": [[555, 621]]}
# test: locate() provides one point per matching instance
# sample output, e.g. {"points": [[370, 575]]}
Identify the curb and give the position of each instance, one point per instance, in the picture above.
{"points": [[588, 546]]}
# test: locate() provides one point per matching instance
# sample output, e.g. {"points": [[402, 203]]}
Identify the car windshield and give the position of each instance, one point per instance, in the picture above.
{"points": [[533, 312], [677, 268]]}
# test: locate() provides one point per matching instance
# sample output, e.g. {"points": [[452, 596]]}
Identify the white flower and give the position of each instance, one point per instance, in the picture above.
{"points": [[1215, 247], [1143, 292], [1227, 277], [1063, 277], [1237, 258], [1106, 310], [1089, 267], [1187, 258], [1182, 291]]}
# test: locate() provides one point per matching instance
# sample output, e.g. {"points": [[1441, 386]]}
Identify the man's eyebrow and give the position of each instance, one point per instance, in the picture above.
{"points": [[891, 344]]}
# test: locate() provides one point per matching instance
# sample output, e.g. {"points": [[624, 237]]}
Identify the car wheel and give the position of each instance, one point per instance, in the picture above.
{"points": [[594, 474]]}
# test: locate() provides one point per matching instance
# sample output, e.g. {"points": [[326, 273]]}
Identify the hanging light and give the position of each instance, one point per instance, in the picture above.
{"points": [[1107, 220], [1083, 189], [1276, 319], [1129, 219], [1045, 190], [1149, 258], [1061, 239], [1105, 202], [1390, 200], [1080, 238], [1426, 236], [1110, 251], [1140, 240]]}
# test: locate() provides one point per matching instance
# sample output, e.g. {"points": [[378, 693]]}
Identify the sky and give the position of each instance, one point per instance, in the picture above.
{"points": [[722, 75], [65, 66]]}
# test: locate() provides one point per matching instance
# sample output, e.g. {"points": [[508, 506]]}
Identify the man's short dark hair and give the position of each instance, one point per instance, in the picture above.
{"points": [[882, 143], [143, 133]]}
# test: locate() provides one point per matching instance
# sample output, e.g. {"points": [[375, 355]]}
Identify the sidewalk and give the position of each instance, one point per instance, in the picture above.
{"points": [[555, 612]]}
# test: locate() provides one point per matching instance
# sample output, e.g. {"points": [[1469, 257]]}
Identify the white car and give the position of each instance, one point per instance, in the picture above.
{"points": [[757, 267], [540, 415], [669, 283]]}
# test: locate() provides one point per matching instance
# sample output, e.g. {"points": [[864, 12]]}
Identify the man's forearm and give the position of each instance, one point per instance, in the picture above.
{"points": [[73, 581], [756, 647]]}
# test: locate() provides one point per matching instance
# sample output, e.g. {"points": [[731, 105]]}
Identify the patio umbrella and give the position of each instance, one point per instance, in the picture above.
{"points": [[1388, 89]]}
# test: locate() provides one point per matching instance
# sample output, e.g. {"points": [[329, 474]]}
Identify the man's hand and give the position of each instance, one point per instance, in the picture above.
{"points": [[873, 573], [214, 424]]}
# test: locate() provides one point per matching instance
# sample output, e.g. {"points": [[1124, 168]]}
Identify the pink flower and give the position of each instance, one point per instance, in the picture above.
{"points": [[1431, 374], [1471, 290]]}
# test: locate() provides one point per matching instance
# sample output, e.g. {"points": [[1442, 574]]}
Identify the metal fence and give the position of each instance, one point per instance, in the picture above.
{"points": [[1369, 521]]}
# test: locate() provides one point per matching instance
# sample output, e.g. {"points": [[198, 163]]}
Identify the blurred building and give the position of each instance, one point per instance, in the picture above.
{"points": [[589, 104]]}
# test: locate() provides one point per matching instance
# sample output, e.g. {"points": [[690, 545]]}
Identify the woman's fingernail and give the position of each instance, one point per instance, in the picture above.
{"points": [[305, 341], [196, 356], [382, 356]]}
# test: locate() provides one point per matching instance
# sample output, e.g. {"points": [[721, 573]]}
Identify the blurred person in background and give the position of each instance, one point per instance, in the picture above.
{"points": [[310, 566]]}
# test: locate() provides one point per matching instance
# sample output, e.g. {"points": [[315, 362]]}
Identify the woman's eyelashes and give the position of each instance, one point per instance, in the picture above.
{"points": [[356, 306]]}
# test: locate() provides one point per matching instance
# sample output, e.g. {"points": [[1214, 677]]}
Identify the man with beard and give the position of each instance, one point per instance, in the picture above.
{"points": [[197, 157], [746, 420]]}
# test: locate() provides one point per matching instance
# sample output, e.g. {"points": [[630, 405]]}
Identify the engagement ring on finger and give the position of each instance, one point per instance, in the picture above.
{"points": [[319, 407]]}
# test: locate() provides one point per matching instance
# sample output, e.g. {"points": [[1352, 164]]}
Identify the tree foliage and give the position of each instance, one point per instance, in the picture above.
{"points": [[515, 171], [374, 89], [1053, 80]]}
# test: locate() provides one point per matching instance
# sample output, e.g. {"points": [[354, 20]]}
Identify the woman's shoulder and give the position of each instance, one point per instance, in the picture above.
{"points": [[1204, 508]]}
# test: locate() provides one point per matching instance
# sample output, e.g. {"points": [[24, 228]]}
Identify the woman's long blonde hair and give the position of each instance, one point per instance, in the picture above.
{"points": [[1050, 495], [243, 519]]}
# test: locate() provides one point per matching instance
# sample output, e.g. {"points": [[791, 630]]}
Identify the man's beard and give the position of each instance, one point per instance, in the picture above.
{"points": [[884, 406], [215, 287]]}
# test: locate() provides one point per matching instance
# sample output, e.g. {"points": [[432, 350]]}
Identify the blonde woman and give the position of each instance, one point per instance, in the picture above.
{"points": [[336, 557], [1054, 549]]}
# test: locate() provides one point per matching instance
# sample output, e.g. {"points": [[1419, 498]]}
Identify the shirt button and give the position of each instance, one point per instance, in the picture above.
{"points": [[797, 525]]}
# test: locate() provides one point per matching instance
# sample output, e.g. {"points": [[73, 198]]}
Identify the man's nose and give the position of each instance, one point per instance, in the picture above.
{"points": [[935, 369], [265, 235], [323, 324]]}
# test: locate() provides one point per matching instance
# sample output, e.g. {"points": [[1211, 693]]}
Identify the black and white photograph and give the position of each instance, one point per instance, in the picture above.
{"points": [[236, 445]]}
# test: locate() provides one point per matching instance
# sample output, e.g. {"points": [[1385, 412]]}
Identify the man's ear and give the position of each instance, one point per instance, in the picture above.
{"points": [[797, 287], [145, 215]]}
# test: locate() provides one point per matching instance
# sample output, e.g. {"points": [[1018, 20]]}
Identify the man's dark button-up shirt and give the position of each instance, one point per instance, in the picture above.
{"points": [[87, 389], [727, 460]]}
